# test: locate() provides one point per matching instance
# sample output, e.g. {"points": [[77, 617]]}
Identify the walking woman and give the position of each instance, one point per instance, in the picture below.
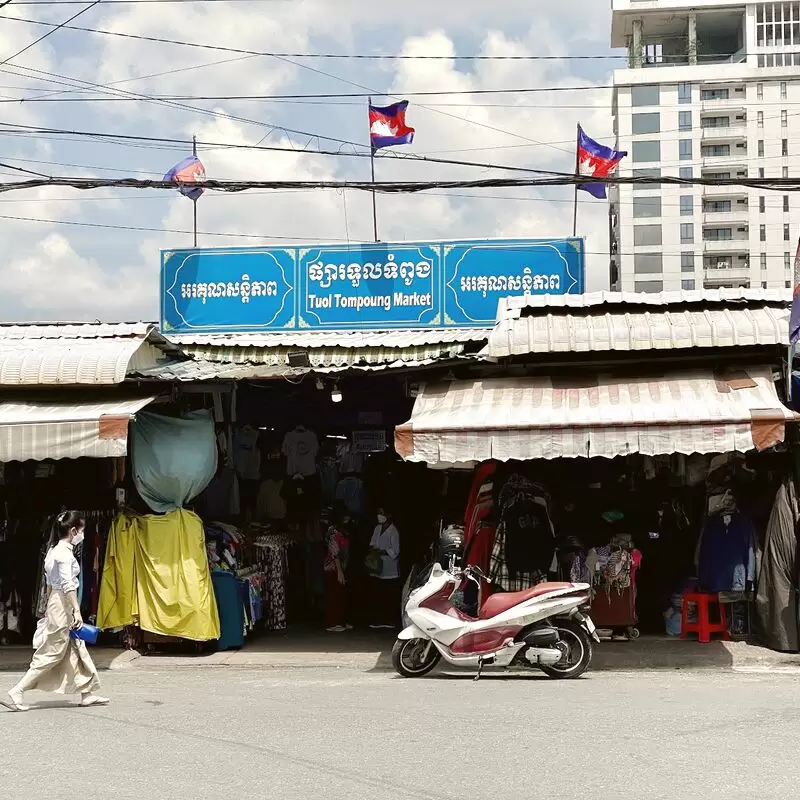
{"points": [[61, 664]]}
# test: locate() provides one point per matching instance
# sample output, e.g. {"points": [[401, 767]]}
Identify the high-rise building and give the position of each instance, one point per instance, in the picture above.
{"points": [[712, 89]]}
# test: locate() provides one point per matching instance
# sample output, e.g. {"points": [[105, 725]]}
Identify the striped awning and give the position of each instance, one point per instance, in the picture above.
{"points": [[526, 418], [49, 429]]}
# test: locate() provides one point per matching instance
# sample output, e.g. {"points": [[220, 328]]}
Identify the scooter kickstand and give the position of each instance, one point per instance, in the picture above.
{"points": [[480, 669]]}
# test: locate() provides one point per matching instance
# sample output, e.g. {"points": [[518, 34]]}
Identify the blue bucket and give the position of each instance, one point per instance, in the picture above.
{"points": [[86, 633]]}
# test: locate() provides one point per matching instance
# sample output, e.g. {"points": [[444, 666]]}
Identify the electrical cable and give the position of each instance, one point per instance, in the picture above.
{"points": [[54, 28]]}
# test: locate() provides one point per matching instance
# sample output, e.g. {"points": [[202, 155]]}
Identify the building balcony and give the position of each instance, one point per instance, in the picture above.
{"points": [[720, 275], [729, 105], [732, 217], [725, 133], [726, 246], [732, 160], [713, 191]]}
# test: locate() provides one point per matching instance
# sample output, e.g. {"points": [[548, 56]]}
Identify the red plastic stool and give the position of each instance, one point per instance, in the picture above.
{"points": [[703, 627]]}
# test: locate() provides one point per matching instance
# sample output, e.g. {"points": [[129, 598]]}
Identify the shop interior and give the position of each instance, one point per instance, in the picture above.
{"points": [[295, 461]]}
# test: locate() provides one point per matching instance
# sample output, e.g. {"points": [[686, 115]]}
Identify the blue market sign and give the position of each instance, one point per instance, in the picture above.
{"points": [[365, 286]]}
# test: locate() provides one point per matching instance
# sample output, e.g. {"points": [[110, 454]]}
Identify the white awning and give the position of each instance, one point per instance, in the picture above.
{"points": [[48, 429], [527, 418]]}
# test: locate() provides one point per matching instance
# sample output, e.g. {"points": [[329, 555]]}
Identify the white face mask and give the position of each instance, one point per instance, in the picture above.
{"points": [[77, 539], [381, 518]]}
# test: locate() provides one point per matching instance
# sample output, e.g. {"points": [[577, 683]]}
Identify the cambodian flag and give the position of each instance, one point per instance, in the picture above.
{"points": [[187, 172], [597, 161], [387, 125]]}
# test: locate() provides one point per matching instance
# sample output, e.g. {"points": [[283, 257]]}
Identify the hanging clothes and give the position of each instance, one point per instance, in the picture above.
{"points": [[727, 555], [777, 592]]}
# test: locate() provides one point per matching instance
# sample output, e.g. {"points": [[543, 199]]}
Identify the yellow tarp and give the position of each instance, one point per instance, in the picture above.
{"points": [[156, 576]]}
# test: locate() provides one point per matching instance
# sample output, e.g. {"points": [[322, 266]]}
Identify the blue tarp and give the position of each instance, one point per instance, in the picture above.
{"points": [[173, 458]]}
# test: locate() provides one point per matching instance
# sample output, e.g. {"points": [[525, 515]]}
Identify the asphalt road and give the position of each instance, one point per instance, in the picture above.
{"points": [[307, 733]]}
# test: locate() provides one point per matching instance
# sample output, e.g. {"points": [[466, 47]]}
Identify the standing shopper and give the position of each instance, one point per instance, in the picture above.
{"points": [[383, 561], [336, 561], [61, 664]]}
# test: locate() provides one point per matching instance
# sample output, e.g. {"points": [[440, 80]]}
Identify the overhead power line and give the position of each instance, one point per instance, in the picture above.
{"points": [[54, 27], [405, 187]]}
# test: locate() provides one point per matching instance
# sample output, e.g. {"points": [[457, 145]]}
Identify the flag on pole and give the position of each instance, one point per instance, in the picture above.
{"points": [[387, 125], [187, 172], [595, 160], [794, 318]]}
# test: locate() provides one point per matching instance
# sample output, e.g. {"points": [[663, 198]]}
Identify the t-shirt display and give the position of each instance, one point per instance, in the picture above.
{"points": [[300, 446]]}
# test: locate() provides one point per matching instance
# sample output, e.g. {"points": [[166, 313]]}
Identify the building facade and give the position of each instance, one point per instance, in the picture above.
{"points": [[712, 89]]}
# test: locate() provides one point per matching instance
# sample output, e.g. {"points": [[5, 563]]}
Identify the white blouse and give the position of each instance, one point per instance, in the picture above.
{"points": [[61, 568]]}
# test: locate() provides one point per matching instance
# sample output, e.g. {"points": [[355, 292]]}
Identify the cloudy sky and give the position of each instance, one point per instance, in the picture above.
{"points": [[59, 261]]}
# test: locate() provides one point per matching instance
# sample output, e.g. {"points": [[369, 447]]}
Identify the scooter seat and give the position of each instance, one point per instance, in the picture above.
{"points": [[501, 601]]}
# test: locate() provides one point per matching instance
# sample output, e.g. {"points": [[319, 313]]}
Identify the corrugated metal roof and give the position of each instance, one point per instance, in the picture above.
{"points": [[322, 339], [327, 356], [591, 330], [680, 412], [49, 428], [517, 306], [78, 354], [77, 330]]}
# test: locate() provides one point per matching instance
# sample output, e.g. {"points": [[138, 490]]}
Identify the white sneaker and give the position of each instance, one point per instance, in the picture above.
{"points": [[93, 700]]}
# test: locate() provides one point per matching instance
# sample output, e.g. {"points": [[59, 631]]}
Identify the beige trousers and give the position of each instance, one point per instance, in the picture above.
{"points": [[62, 664]]}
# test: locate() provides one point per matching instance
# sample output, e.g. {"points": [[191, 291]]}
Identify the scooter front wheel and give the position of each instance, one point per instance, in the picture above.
{"points": [[576, 644], [413, 658]]}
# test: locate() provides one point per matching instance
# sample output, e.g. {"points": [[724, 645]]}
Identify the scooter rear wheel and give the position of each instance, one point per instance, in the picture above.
{"points": [[413, 658], [578, 651]]}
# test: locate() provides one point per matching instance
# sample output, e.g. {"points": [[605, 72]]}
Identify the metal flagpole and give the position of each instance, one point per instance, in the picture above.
{"points": [[194, 202], [372, 172], [577, 172]]}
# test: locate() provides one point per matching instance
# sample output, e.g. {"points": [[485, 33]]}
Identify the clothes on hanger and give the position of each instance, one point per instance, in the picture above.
{"points": [[300, 446]]}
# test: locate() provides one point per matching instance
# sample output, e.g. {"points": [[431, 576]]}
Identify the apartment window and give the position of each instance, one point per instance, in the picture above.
{"points": [[648, 286], [787, 234], [762, 233], [761, 172], [784, 147], [647, 263], [717, 176], [685, 173], [788, 284], [684, 120], [646, 151], [783, 90], [684, 92], [715, 150], [786, 204], [777, 24], [784, 119], [763, 284], [646, 207], [784, 172], [714, 94], [763, 259], [718, 234], [646, 123], [687, 285], [687, 208], [653, 53], [715, 122], [687, 262], [760, 118], [647, 95], [685, 149], [787, 260], [762, 205], [717, 206], [761, 148], [687, 233], [647, 235], [760, 91], [648, 172]]}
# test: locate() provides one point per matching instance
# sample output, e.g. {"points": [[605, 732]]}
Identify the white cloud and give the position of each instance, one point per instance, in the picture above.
{"points": [[63, 272]]}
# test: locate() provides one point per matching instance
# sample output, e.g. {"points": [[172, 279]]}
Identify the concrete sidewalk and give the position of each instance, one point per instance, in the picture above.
{"points": [[366, 651]]}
